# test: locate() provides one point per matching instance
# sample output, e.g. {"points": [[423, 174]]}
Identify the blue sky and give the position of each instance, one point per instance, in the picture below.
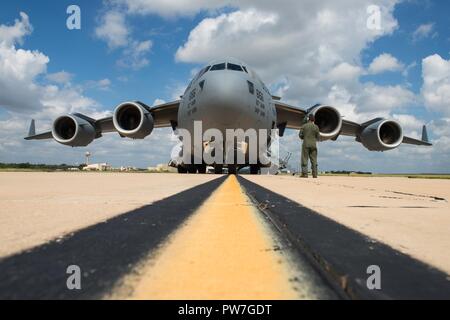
{"points": [[330, 64]]}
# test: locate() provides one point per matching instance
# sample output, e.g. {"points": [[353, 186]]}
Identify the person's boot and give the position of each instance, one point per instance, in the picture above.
{"points": [[314, 173], [304, 175]]}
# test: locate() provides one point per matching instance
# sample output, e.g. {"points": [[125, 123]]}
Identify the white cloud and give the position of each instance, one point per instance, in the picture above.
{"points": [[423, 31], [374, 98], [103, 84], [436, 83], [10, 35], [20, 90], [307, 42], [134, 56], [61, 77], [232, 26], [113, 30], [385, 62], [170, 8], [18, 69]]}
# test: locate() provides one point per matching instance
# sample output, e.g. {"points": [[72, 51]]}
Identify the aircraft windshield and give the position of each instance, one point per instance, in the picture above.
{"points": [[220, 66], [234, 67]]}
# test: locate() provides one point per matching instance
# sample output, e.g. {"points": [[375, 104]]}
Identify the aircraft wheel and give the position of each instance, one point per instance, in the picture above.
{"points": [[218, 169], [192, 169], [232, 169], [254, 169], [201, 169], [181, 169]]}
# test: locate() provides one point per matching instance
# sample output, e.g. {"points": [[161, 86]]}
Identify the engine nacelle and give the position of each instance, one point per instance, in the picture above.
{"points": [[71, 130], [382, 135], [329, 121], [133, 120]]}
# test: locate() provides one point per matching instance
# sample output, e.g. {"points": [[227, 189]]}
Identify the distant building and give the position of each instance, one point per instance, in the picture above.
{"points": [[127, 169], [97, 167], [162, 168]]}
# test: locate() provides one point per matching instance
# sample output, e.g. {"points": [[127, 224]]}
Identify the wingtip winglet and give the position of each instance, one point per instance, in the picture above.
{"points": [[31, 130], [425, 134]]}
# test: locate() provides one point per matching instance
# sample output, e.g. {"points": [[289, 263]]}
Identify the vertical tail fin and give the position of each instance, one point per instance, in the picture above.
{"points": [[32, 130], [425, 134]]}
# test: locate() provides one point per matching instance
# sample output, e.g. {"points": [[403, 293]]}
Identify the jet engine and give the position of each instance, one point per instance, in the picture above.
{"points": [[382, 135], [329, 121], [133, 120], [71, 130]]}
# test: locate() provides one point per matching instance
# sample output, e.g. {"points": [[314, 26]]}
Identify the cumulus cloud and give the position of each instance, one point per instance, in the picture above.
{"points": [[306, 41], [11, 35], [374, 98], [114, 30], [385, 62], [436, 83], [18, 69], [20, 91]]}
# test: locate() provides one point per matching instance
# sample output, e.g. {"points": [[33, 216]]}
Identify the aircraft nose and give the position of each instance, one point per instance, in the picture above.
{"points": [[227, 94]]}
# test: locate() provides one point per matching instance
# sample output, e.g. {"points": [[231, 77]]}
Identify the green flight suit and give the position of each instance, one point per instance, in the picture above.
{"points": [[310, 134]]}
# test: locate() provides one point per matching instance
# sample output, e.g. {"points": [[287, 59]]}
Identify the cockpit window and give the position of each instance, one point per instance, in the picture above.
{"points": [[220, 66], [234, 67], [245, 69], [203, 71]]}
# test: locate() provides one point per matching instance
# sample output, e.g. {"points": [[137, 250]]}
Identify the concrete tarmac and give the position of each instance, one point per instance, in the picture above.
{"points": [[37, 207], [410, 215], [169, 236]]}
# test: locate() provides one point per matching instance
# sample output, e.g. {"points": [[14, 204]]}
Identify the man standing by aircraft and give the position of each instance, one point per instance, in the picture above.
{"points": [[310, 134]]}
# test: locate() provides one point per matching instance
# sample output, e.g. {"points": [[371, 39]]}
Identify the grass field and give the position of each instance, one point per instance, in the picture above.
{"points": [[398, 175]]}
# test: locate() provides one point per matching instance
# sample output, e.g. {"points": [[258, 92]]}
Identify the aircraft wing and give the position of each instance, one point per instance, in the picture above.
{"points": [[292, 117], [164, 115], [289, 116], [353, 129]]}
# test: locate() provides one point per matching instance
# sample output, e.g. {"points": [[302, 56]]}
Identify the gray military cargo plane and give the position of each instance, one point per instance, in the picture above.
{"points": [[225, 94]]}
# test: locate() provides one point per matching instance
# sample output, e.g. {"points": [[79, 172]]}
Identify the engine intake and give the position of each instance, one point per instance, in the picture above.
{"points": [[133, 120], [329, 121], [382, 135], [71, 130]]}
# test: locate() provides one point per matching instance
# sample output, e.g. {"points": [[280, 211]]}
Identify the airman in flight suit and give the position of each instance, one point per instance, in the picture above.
{"points": [[310, 134]]}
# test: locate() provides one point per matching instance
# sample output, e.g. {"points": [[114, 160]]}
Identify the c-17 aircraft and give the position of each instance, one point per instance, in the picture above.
{"points": [[225, 94]]}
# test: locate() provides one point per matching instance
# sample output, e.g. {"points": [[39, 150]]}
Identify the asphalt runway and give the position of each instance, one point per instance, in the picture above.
{"points": [[225, 237]]}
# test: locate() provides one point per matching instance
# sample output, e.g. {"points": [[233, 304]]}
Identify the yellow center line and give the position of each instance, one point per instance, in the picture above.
{"points": [[224, 251]]}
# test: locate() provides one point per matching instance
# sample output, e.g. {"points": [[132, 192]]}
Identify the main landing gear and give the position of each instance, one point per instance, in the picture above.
{"points": [[201, 168]]}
